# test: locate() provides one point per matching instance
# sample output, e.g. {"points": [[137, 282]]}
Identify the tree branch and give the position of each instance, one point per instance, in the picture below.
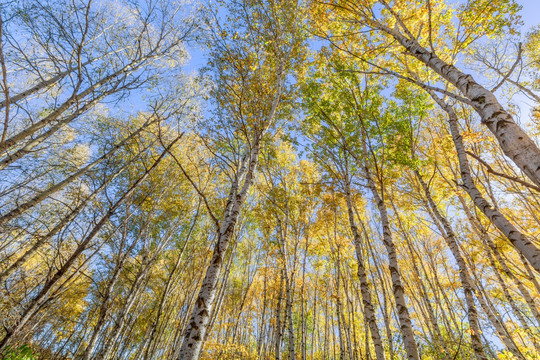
{"points": [[497, 173]]}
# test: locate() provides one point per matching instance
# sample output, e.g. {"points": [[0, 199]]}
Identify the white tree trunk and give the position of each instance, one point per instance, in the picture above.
{"points": [[200, 316], [404, 317], [369, 310], [518, 239], [514, 142], [464, 276]]}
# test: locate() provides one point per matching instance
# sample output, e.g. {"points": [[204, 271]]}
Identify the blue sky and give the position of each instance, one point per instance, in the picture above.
{"points": [[530, 12], [530, 15]]}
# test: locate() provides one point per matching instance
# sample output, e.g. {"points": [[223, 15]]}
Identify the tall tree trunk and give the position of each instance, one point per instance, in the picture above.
{"points": [[514, 142], [397, 287], [60, 225], [166, 290], [464, 276], [362, 277], [518, 239], [104, 307], [384, 305], [108, 352], [497, 321], [200, 317], [289, 298], [439, 340], [491, 247], [278, 332], [33, 306], [303, 303], [27, 205]]}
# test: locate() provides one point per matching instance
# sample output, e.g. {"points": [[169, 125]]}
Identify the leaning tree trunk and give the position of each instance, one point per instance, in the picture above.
{"points": [[362, 277], [482, 232], [60, 225], [518, 239], [514, 142], [35, 304], [103, 309], [38, 198], [464, 276], [496, 320], [166, 291], [439, 341], [200, 317], [399, 293]]}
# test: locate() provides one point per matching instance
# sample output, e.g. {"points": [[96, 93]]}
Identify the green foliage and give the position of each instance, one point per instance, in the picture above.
{"points": [[23, 352]]}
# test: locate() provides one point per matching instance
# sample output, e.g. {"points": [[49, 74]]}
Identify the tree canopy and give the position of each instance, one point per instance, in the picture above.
{"points": [[269, 179]]}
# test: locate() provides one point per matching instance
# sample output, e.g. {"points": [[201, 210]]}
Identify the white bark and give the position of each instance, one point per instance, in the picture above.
{"points": [[464, 275], [35, 303], [514, 142], [369, 310], [518, 239], [404, 317], [200, 316]]}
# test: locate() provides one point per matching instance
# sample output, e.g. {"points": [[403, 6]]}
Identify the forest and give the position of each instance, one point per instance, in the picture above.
{"points": [[269, 179]]}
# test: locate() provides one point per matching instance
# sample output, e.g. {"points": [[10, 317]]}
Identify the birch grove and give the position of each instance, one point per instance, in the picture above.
{"points": [[269, 179]]}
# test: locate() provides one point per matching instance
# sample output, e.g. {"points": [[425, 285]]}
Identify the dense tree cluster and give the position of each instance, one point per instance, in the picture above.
{"points": [[343, 179]]}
